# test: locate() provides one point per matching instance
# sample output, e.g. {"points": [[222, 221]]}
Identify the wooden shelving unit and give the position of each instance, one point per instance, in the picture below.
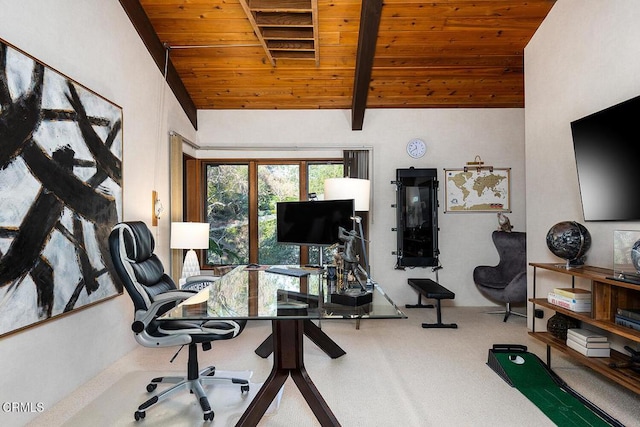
{"points": [[607, 295], [287, 29]]}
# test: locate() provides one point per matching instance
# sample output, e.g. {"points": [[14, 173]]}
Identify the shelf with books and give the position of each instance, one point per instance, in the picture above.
{"points": [[627, 318], [607, 297], [587, 342], [609, 326], [577, 305], [624, 377]]}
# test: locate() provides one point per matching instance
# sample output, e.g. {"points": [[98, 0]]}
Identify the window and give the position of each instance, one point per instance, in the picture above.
{"points": [[276, 183], [240, 204], [227, 211]]}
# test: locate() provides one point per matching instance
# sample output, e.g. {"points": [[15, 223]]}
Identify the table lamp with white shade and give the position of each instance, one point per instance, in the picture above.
{"points": [[352, 188], [190, 235]]}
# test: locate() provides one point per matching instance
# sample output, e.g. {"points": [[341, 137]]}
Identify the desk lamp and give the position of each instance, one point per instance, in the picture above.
{"points": [[358, 190], [190, 235]]}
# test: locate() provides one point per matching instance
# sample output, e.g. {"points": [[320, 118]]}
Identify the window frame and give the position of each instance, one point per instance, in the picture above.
{"points": [[195, 187]]}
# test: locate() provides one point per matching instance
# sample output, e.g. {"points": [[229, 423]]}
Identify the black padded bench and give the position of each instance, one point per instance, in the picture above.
{"points": [[430, 289]]}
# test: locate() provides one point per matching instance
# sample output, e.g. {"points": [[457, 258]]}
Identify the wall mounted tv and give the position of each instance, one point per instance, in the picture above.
{"points": [[313, 222], [607, 146]]}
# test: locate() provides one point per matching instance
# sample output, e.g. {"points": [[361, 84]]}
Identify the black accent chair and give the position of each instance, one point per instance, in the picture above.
{"points": [[507, 281], [153, 293]]}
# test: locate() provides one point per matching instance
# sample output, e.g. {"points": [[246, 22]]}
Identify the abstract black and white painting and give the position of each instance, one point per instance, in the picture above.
{"points": [[60, 192]]}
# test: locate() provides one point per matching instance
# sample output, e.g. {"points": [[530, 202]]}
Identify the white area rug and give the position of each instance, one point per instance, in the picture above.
{"points": [[116, 406]]}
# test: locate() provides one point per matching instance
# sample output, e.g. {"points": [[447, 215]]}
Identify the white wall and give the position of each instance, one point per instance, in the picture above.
{"points": [[453, 137], [94, 43], [582, 59]]}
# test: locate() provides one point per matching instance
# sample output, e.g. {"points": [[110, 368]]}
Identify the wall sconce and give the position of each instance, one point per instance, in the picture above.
{"points": [[156, 208]]}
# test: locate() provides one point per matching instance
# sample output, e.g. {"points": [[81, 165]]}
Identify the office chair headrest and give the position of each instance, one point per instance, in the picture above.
{"points": [[138, 241]]}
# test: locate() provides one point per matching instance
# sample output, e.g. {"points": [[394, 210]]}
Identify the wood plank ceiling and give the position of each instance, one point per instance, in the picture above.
{"points": [[436, 54]]}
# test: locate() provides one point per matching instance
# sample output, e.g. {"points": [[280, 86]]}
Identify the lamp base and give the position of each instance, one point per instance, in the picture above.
{"points": [[191, 266]]}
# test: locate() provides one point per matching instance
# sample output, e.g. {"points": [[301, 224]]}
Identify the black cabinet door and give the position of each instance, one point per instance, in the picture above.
{"points": [[417, 217]]}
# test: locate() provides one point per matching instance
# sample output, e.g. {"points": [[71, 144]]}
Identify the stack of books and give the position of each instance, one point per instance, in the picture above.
{"points": [[629, 317], [574, 299], [587, 342]]}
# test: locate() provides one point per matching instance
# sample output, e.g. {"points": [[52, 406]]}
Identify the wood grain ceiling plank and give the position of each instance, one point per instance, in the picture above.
{"points": [[469, 24], [294, 104], [194, 15], [453, 49], [447, 35], [448, 72], [194, 39], [281, 94], [196, 26], [399, 62], [450, 103], [505, 9], [232, 80], [284, 19], [442, 90], [280, 5], [211, 54]]}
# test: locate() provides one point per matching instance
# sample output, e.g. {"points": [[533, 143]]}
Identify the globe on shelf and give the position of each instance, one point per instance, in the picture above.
{"points": [[635, 255], [569, 240]]}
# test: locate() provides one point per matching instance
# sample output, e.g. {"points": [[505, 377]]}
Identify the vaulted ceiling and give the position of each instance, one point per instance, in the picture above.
{"points": [[340, 54]]}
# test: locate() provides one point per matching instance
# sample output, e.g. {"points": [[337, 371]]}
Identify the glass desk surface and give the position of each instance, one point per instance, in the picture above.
{"points": [[256, 293]]}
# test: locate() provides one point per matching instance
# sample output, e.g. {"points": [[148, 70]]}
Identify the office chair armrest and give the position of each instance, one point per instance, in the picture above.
{"points": [[177, 295], [199, 282], [146, 317], [202, 278]]}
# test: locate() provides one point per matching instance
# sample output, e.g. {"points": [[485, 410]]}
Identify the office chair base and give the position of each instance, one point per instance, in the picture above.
{"points": [[507, 312], [194, 386]]}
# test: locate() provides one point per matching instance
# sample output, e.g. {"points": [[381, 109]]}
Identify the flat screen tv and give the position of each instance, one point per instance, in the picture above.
{"points": [[607, 149], [313, 222]]}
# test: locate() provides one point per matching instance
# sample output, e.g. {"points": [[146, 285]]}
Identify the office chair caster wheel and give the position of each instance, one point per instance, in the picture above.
{"points": [[151, 387], [139, 415], [209, 416], [244, 388]]}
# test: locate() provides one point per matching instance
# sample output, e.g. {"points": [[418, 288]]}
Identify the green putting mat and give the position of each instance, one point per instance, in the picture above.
{"points": [[526, 372]]}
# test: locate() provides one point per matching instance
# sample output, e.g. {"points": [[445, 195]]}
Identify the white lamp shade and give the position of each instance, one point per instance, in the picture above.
{"points": [[348, 188], [189, 235]]}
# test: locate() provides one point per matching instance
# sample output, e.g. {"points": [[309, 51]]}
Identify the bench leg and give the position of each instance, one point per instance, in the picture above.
{"points": [[419, 304], [439, 324]]}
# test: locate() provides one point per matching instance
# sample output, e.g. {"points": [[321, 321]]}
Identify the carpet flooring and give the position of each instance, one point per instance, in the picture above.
{"points": [[395, 373]]}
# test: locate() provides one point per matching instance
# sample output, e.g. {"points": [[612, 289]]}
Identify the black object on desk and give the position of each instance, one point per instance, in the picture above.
{"points": [[434, 290], [352, 299]]}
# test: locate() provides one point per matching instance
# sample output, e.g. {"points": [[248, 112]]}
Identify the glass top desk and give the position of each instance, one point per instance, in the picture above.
{"points": [[290, 303]]}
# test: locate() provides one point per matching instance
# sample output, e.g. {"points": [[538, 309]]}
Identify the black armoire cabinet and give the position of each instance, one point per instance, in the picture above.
{"points": [[417, 217]]}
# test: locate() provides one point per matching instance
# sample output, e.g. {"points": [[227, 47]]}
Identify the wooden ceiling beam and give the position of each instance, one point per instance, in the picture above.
{"points": [[367, 38], [157, 50]]}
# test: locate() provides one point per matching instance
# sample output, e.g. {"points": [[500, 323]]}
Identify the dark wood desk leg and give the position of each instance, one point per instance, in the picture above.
{"points": [[266, 348], [288, 359], [315, 334], [322, 340]]}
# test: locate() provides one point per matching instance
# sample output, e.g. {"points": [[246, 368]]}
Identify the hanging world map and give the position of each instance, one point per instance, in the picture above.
{"points": [[477, 191]]}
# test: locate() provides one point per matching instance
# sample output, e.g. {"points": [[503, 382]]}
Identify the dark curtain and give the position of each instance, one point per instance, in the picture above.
{"points": [[356, 164]]}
